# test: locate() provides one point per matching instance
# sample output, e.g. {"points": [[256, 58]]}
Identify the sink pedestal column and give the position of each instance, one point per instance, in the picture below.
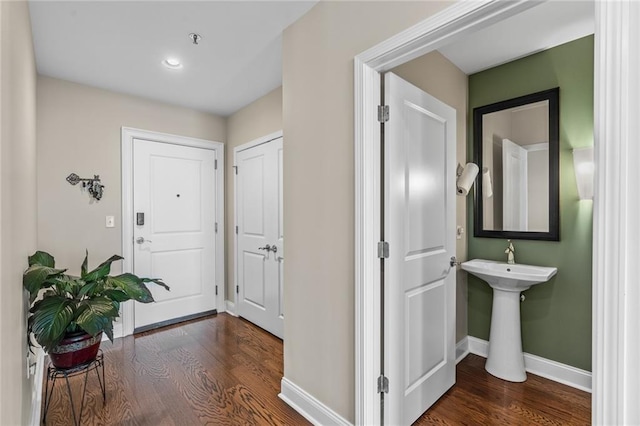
{"points": [[505, 359]]}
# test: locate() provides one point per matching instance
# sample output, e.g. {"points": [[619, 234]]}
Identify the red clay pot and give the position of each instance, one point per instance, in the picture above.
{"points": [[75, 349]]}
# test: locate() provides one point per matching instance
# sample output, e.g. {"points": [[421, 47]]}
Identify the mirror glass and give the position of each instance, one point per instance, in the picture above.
{"points": [[516, 149]]}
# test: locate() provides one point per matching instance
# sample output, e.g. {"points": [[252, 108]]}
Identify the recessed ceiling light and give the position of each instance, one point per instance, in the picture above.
{"points": [[172, 63]]}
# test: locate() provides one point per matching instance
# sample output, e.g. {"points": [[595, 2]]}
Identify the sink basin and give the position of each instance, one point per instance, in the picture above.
{"points": [[505, 359], [509, 277]]}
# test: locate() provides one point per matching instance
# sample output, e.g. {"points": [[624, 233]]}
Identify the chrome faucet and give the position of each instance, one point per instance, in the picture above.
{"points": [[510, 253]]}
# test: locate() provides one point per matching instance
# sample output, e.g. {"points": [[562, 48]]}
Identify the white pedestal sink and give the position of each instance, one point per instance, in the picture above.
{"points": [[505, 359]]}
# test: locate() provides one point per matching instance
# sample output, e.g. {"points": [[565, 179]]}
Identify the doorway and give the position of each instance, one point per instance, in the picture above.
{"points": [[173, 192], [259, 237], [403, 47]]}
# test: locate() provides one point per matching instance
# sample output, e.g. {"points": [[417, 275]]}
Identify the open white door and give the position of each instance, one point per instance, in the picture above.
{"points": [[260, 239], [419, 226], [515, 187], [174, 200]]}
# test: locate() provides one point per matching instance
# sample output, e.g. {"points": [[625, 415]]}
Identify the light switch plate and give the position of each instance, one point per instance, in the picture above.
{"points": [[459, 232], [110, 222]]}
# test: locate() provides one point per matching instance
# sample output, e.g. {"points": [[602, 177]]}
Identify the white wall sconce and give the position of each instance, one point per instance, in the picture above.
{"points": [[487, 187], [584, 168], [466, 176]]}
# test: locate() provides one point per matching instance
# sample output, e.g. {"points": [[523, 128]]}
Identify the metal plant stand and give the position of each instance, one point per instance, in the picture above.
{"points": [[54, 373]]}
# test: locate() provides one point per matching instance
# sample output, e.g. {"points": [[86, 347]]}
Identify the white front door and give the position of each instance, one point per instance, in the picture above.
{"points": [[515, 187], [174, 196], [419, 225], [260, 239]]}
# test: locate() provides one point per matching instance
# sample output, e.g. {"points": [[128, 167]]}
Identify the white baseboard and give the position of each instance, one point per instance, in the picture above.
{"points": [[36, 393], [552, 370], [230, 308], [462, 349], [308, 406]]}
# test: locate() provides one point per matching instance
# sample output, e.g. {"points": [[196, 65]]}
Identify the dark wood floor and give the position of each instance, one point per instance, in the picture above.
{"points": [[478, 398], [223, 370], [220, 371]]}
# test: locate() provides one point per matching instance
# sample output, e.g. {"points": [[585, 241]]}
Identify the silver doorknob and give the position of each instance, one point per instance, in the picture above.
{"points": [[454, 262], [141, 240], [267, 247], [274, 249]]}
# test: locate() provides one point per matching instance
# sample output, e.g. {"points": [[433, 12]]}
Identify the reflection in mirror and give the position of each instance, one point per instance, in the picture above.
{"points": [[515, 156], [516, 143]]}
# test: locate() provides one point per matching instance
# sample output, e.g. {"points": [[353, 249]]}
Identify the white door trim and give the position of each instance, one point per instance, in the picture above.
{"points": [[128, 134], [616, 245], [256, 142], [236, 150], [614, 346]]}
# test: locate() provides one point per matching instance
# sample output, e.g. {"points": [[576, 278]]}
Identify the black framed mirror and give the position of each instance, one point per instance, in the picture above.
{"points": [[516, 147]]}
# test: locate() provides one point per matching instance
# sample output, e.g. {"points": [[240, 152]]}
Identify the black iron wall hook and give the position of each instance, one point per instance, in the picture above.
{"points": [[93, 185]]}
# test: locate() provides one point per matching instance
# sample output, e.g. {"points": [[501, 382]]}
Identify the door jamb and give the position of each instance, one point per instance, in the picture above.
{"points": [[251, 144], [128, 134], [612, 313]]}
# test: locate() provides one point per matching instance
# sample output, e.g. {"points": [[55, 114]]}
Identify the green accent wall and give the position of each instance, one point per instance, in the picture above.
{"points": [[556, 316]]}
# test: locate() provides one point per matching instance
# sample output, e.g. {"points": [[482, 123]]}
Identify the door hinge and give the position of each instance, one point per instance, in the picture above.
{"points": [[236, 229], [215, 164], [216, 290], [383, 384], [383, 113], [383, 250], [238, 289], [216, 227], [235, 169]]}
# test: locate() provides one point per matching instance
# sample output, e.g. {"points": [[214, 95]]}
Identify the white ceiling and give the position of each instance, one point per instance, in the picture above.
{"points": [[550, 24], [120, 46]]}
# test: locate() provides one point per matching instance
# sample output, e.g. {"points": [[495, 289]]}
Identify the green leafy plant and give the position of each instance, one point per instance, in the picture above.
{"points": [[62, 304]]}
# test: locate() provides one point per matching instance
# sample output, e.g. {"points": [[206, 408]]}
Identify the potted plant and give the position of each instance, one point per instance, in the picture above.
{"points": [[69, 314]]}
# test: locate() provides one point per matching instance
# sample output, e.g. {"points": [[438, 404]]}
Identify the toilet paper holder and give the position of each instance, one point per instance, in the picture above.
{"points": [[465, 177]]}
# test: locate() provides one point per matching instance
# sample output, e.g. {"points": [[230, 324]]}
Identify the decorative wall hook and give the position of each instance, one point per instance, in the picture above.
{"points": [[91, 184]]}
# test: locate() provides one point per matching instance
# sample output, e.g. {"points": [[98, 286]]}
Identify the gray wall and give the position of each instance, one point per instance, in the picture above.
{"points": [[79, 131], [17, 203]]}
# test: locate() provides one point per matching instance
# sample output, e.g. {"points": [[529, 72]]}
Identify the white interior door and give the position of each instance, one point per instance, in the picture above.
{"points": [[175, 191], [260, 239], [515, 187], [419, 225]]}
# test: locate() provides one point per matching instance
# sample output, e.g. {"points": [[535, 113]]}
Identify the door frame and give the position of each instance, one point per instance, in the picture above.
{"points": [[128, 134], [614, 346], [248, 145]]}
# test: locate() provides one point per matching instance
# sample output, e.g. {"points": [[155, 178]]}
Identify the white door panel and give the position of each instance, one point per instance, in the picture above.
{"points": [[419, 331], [280, 244], [259, 221], [515, 187], [174, 186]]}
